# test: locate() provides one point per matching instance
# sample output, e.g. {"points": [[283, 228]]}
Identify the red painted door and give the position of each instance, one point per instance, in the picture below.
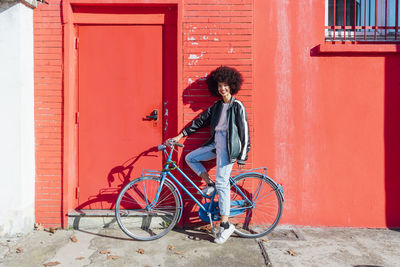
{"points": [[120, 83]]}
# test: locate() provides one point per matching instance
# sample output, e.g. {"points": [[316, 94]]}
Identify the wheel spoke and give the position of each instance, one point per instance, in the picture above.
{"points": [[261, 218], [135, 217]]}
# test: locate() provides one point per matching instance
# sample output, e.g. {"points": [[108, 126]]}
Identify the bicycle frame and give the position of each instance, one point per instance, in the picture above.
{"points": [[171, 165]]}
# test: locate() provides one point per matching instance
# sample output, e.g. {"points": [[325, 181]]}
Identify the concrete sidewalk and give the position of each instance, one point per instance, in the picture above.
{"points": [[285, 246]]}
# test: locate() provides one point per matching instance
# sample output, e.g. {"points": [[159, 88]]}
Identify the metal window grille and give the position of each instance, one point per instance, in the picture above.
{"points": [[362, 20]]}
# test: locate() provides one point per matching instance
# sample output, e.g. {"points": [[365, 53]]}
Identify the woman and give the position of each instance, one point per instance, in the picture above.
{"points": [[229, 140]]}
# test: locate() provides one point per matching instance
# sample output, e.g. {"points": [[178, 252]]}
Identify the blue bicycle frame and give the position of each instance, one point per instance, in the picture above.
{"points": [[208, 208]]}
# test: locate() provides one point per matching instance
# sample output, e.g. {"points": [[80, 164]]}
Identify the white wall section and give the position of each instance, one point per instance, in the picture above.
{"points": [[17, 154]]}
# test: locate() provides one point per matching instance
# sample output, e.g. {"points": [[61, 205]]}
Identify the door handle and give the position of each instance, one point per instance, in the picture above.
{"points": [[153, 115]]}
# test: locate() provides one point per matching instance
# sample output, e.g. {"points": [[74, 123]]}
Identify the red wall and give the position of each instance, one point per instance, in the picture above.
{"points": [[214, 33], [326, 124], [48, 112]]}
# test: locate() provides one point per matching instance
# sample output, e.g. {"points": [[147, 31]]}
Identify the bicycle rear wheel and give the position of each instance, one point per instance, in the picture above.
{"points": [[135, 217], [259, 216]]}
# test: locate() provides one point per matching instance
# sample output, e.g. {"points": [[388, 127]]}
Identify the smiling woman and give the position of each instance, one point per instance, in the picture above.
{"points": [[229, 140]]}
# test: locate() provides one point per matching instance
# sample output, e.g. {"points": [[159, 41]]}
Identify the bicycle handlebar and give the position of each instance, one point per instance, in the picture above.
{"points": [[169, 143], [180, 145]]}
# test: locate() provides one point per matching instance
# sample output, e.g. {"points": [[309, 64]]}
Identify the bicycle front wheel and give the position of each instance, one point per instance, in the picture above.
{"points": [[133, 212], [256, 205]]}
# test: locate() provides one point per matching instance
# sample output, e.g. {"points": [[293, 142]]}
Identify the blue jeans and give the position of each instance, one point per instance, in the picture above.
{"points": [[224, 168]]}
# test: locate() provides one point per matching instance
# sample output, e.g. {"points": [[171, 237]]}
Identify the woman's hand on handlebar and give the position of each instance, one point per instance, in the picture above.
{"points": [[176, 138]]}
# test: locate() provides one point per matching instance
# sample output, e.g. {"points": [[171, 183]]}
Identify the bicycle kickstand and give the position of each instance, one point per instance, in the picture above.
{"points": [[211, 224]]}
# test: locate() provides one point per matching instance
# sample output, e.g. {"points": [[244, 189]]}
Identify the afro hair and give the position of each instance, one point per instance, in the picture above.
{"points": [[224, 74]]}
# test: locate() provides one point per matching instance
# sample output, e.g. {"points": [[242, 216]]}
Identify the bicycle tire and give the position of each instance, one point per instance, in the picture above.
{"points": [[145, 225], [266, 213]]}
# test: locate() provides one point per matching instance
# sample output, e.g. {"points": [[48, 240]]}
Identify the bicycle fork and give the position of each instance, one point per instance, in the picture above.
{"points": [[211, 224]]}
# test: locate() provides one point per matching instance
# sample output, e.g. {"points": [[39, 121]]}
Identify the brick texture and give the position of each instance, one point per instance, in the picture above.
{"points": [[214, 33], [48, 112]]}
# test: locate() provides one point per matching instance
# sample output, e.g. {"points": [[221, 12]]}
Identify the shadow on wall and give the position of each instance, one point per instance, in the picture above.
{"points": [[392, 139], [196, 99], [117, 178]]}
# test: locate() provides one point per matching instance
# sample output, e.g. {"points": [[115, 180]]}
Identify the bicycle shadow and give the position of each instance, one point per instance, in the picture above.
{"points": [[97, 211]]}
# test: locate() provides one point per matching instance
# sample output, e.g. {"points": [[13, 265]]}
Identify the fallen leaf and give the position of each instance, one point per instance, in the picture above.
{"points": [[52, 230], [74, 239], [105, 252], [179, 253], [171, 247], [239, 225], [19, 250], [206, 227], [39, 227], [140, 250], [265, 240], [112, 257], [79, 258], [292, 253], [51, 263]]}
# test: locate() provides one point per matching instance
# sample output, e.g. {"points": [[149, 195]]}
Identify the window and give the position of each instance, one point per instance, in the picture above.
{"points": [[362, 20]]}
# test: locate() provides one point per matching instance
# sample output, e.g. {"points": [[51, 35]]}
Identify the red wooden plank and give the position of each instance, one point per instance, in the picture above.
{"points": [[207, 68], [48, 191], [46, 13], [217, 31], [227, 26], [43, 209], [47, 31], [221, 61], [51, 99], [47, 25], [48, 19], [48, 37], [216, 44], [47, 123], [218, 13], [49, 50], [47, 43], [56, 134], [48, 68], [52, 154], [48, 62], [47, 56], [219, 2], [217, 6], [49, 171], [46, 91], [206, 19]]}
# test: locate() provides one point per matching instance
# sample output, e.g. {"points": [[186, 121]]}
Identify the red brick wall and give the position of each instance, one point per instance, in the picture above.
{"points": [[214, 33], [48, 112], [327, 126]]}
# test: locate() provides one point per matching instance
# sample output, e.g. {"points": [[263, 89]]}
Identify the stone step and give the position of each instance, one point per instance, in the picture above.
{"points": [[82, 219]]}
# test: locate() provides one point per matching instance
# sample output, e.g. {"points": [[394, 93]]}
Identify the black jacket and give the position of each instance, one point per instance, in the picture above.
{"points": [[238, 139]]}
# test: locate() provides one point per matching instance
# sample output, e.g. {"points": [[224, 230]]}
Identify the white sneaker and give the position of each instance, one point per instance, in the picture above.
{"points": [[224, 234], [208, 190]]}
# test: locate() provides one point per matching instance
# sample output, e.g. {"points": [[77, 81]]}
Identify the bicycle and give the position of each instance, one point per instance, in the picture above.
{"points": [[148, 207]]}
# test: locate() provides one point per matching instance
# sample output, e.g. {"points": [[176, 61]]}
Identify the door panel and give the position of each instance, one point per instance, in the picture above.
{"points": [[120, 83]]}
